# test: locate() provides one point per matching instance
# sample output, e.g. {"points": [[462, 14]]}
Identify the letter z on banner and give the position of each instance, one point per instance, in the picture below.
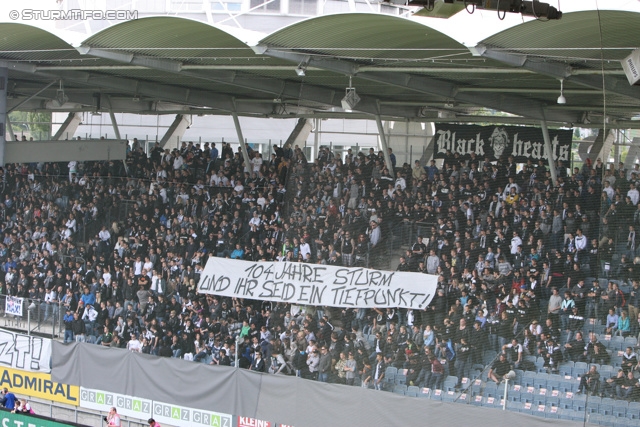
{"points": [[314, 284]]}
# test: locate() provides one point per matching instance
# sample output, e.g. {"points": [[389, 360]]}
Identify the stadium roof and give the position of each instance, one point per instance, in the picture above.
{"points": [[401, 68]]}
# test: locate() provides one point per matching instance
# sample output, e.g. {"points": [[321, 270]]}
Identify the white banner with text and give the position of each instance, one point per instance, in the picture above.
{"points": [[316, 284], [26, 352], [13, 306]]}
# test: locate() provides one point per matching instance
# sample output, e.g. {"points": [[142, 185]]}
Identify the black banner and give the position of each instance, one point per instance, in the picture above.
{"points": [[495, 142]]}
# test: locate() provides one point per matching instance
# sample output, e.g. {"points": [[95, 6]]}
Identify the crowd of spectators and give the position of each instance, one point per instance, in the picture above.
{"points": [[512, 252]]}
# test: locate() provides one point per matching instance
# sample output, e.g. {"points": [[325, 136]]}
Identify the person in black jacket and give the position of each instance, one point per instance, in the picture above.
{"points": [[78, 328], [258, 364]]}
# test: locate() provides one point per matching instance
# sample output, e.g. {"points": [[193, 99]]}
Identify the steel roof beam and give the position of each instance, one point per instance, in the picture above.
{"points": [[147, 89], [559, 71], [201, 98], [130, 58], [521, 106], [276, 87]]}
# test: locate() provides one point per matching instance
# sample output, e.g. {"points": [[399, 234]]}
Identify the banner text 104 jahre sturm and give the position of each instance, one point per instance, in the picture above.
{"points": [[314, 284]]}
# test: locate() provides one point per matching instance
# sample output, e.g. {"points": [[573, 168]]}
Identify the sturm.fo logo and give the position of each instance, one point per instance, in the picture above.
{"points": [[73, 15]]}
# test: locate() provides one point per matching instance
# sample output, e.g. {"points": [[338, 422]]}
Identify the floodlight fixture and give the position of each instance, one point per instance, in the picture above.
{"points": [[350, 99]]}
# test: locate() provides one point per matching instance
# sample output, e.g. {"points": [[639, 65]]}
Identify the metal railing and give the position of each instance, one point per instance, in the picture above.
{"points": [[38, 317]]}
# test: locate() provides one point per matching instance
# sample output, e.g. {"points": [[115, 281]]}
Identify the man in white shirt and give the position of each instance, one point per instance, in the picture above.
{"points": [[633, 194], [305, 249], [580, 242], [73, 169], [374, 234], [104, 235], [256, 162], [90, 315], [51, 304], [134, 344], [178, 161], [515, 242], [608, 189], [400, 181]]}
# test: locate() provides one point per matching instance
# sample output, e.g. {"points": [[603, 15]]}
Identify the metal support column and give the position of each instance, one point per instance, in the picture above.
{"points": [[112, 116], [176, 130], [616, 149], [4, 76], [114, 124], [383, 144], [316, 139], [68, 127], [243, 148], [549, 150], [12, 136]]}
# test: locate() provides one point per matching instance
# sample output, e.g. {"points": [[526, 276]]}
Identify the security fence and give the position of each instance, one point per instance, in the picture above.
{"points": [[32, 316]]}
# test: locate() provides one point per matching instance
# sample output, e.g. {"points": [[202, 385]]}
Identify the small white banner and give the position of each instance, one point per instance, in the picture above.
{"points": [[13, 306]]}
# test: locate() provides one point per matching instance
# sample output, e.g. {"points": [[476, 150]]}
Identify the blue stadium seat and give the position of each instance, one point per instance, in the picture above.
{"points": [[606, 371], [565, 415], [449, 385], [633, 411], [553, 401], [553, 385], [490, 402], [514, 406], [526, 397], [565, 386], [593, 404], [476, 388], [566, 403], [389, 379], [565, 368], [528, 379], [424, 393], [578, 372], [620, 408], [606, 406], [436, 394], [617, 343], [540, 381], [519, 376], [595, 419], [490, 389], [401, 379], [514, 395], [390, 370], [582, 365], [489, 356], [448, 396], [579, 403]]}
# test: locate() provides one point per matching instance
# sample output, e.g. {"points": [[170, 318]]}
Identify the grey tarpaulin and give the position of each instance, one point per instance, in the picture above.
{"points": [[275, 398]]}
